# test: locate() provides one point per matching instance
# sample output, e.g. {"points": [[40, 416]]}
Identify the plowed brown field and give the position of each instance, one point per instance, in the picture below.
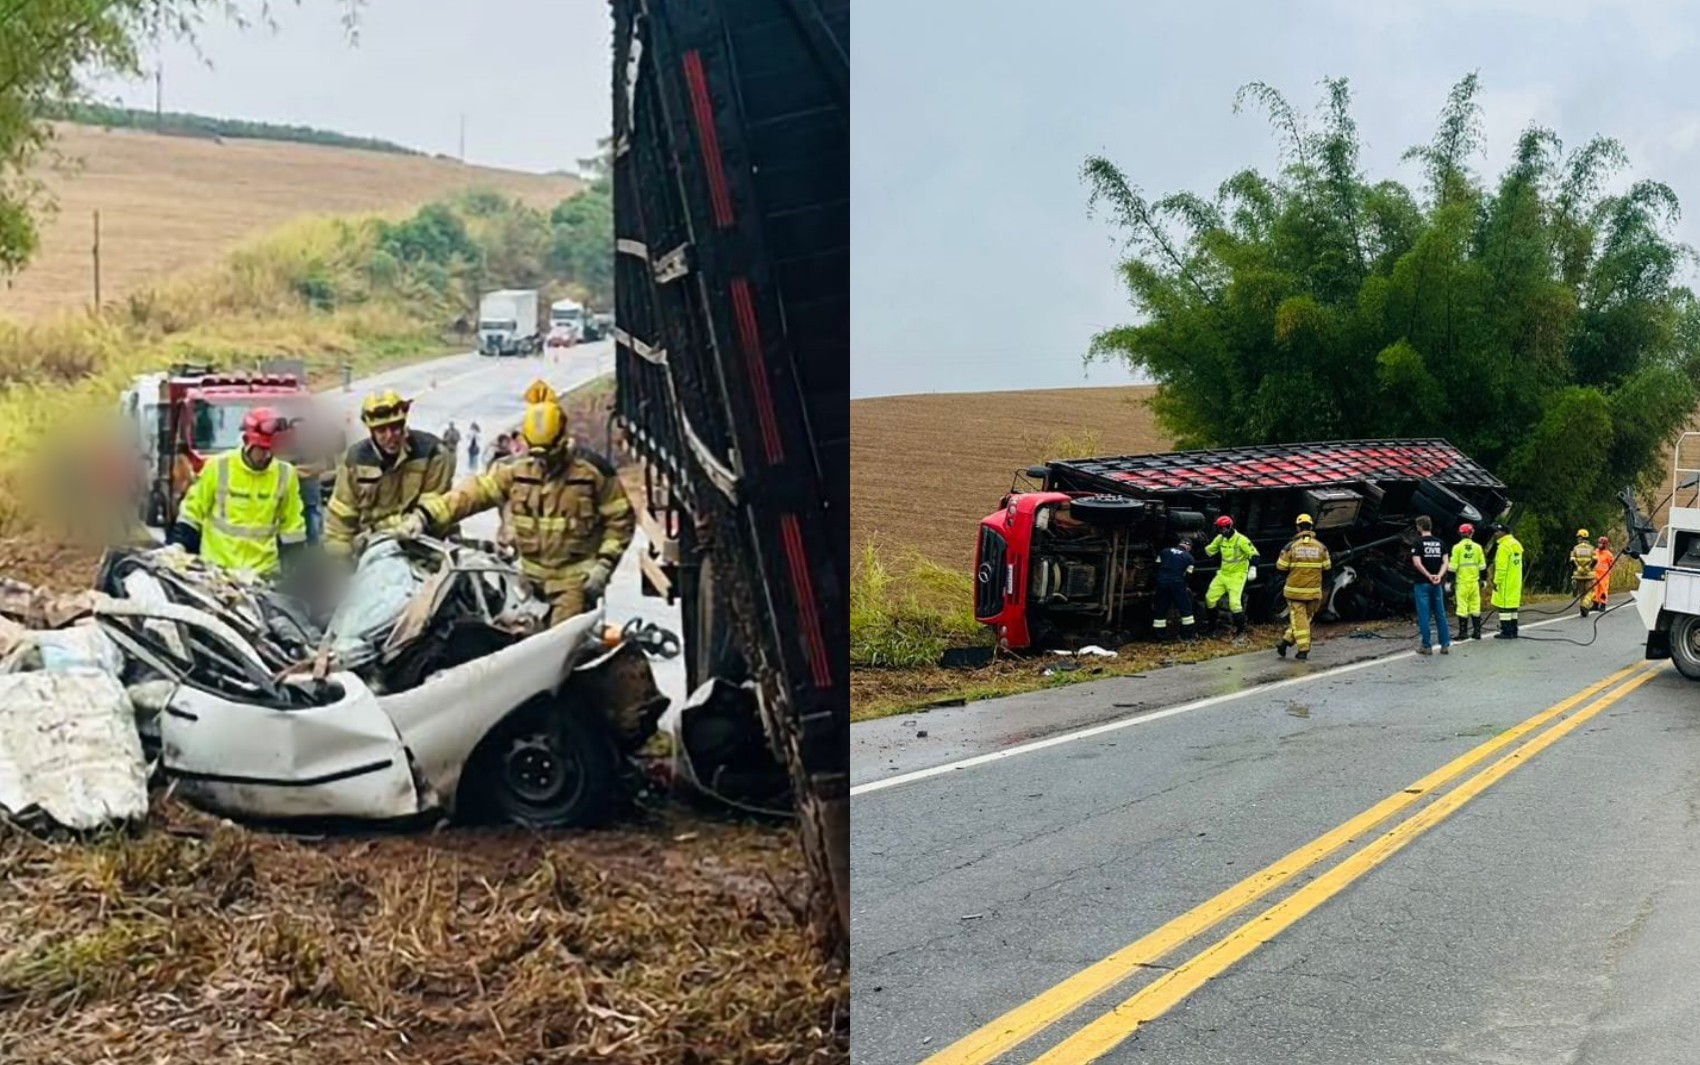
{"points": [[172, 203], [925, 469]]}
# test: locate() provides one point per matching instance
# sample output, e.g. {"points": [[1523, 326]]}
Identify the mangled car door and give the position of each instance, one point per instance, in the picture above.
{"points": [[338, 760]]}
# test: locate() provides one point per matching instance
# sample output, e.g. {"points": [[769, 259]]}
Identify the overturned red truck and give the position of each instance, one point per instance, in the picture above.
{"points": [[1075, 557]]}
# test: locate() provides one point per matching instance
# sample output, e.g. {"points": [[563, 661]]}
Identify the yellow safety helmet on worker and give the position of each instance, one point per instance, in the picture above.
{"points": [[545, 424], [384, 408]]}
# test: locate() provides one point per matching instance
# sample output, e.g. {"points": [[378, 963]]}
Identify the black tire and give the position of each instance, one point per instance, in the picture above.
{"points": [[1108, 510], [1685, 645], [550, 770]]}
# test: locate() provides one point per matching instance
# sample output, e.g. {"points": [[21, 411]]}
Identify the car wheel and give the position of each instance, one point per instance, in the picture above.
{"points": [[1685, 645], [552, 771]]}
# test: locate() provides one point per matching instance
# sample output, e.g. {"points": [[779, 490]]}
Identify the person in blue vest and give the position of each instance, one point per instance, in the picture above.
{"points": [[1174, 567]]}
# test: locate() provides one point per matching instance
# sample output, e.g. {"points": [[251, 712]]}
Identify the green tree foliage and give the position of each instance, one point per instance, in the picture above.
{"points": [[581, 247], [1535, 321], [48, 49]]}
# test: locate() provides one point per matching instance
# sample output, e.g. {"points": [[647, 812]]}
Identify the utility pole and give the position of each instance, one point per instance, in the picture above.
{"points": [[97, 261], [159, 97], [463, 136]]}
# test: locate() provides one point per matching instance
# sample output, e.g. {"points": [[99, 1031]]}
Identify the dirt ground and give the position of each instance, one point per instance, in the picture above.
{"points": [[174, 203], [925, 469], [675, 939]]}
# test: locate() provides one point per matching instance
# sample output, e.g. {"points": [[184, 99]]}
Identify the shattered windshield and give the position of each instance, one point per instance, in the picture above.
{"points": [[377, 594]]}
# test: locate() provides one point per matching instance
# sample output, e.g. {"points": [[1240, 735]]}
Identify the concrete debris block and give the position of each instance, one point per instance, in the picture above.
{"points": [[69, 750]]}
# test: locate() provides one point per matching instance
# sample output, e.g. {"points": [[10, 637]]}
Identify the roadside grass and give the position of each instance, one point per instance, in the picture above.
{"points": [[898, 633]]}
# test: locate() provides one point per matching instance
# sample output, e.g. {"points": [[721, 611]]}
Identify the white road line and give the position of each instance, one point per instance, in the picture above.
{"points": [[1128, 722]]}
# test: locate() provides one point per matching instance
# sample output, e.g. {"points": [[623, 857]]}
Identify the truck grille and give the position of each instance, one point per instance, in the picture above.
{"points": [[988, 574]]}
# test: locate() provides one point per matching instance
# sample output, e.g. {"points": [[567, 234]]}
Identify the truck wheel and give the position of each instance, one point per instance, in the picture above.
{"points": [[1685, 645], [553, 770], [1108, 510]]}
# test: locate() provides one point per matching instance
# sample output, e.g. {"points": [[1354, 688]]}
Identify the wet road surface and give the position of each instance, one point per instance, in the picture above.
{"points": [[1536, 900], [491, 391]]}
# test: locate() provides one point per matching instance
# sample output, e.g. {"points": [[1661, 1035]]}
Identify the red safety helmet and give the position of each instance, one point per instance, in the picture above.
{"points": [[1224, 522], [1466, 529], [261, 428]]}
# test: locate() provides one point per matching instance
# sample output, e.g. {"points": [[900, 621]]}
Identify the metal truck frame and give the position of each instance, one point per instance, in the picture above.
{"points": [[1076, 559], [1669, 596], [732, 224]]}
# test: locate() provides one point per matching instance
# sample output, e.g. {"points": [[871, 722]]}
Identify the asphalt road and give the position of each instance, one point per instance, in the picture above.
{"points": [[1541, 909], [491, 391]]}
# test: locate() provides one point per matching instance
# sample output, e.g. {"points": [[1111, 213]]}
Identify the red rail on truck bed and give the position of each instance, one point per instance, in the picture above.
{"points": [[1284, 466]]}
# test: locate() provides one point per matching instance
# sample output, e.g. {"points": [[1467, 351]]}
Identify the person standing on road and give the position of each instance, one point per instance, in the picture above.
{"points": [[1174, 566], [1429, 559], [244, 511], [1236, 552], [451, 441], [1603, 562], [384, 474], [1469, 564], [1507, 585], [1582, 570], [569, 513], [1304, 561]]}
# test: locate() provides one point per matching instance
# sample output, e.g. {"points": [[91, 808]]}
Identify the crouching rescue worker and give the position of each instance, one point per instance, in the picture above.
{"points": [[1174, 566], [1237, 553], [1304, 561], [1469, 563], [568, 512], [380, 477], [1582, 570], [244, 511], [1507, 584]]}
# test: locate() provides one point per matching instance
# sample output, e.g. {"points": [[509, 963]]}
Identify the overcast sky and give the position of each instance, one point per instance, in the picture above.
{"points": [[975, 266], [531, 76]]}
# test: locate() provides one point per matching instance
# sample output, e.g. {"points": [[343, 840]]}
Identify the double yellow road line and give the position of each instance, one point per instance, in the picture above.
{"points": [[1102, 1034]]}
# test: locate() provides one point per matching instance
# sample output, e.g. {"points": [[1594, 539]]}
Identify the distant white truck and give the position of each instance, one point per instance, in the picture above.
{"points": [[566, 323], [507, 322]]}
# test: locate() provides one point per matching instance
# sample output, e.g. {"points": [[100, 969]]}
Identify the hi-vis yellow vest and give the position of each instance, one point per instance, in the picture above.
{"points": [[243, 514]]}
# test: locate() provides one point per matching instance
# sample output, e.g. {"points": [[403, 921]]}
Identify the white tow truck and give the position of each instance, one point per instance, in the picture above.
{"points": [[1669, 595]]}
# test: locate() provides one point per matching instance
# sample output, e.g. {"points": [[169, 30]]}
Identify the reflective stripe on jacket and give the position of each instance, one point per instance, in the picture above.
{"points": [[1236, 552], [367, 492], [560, 520], [1508, 572], [243, 514], [1304, 561], [1467, 555]]}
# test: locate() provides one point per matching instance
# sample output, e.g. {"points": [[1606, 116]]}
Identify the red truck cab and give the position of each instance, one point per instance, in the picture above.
{"points": [[1001, 564]]}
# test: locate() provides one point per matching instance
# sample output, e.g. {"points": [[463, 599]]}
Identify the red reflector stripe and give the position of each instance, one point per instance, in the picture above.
{"points": [[706, 133], [792, 535], [749, 339]]}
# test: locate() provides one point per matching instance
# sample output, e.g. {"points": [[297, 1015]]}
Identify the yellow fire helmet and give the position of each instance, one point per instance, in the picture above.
{"points": [[544, 425], [1581, 534], [383, 408], [1304, 519]]}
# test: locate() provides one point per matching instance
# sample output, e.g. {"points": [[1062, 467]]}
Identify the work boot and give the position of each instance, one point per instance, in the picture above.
{"points": [[1281, 647], [1463, 627], [1584, 610], [1505, 631], [1240, 623], [1476, 627], [1514, 628], [1187, 632], [1302, 655]]}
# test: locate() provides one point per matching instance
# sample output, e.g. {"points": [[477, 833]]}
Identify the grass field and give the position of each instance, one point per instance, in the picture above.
{"points": [[169, 204], [925, 469]]}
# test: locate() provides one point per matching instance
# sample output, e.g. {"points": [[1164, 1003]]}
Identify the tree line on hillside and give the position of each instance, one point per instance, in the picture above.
{"points": [[451, 250], [185, 124], [1534, 321]]}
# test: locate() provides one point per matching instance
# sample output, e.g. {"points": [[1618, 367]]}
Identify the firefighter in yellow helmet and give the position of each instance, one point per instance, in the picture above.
{"points": [[1582, 570], [380, 477], [1304, 561], [568, 512]]}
